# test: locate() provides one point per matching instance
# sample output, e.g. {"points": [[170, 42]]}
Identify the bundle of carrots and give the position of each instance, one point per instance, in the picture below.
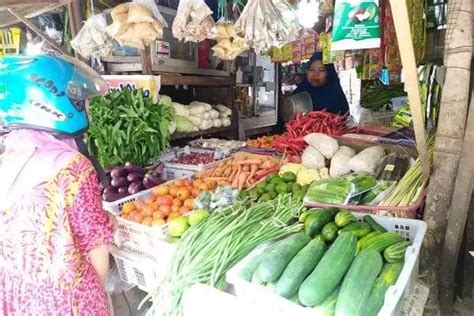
{"points": [[292, 141], [262, 142], [241, 171]]}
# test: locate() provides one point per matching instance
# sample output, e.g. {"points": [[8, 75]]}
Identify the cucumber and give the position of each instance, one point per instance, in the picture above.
{"points": [[305, 215], [328, 307], [344, 218], [388, 277], [315, 222], [256, 279], [359, 229], [329, 232], [373, 224], [300, 267], [358, 282], [382, 241], [274, 263], [247, 272], [361, 243], [329, 271], [396, 252]]}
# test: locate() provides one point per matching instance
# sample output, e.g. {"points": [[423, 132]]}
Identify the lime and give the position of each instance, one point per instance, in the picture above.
{"points": [[273, 195], [271, 176], [295, 187], [177, 226], [265, 197], [276, 180], [254, 194], [281, 188], [289, 176], [261, 186], [243, 194], [196, 216], [269, 187]]}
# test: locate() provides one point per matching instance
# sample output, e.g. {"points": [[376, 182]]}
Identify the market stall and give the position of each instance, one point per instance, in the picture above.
{"points": [[322, 218]]}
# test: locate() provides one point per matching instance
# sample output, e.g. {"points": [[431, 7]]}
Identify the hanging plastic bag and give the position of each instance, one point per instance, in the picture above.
{"points": [[356, 25], [193, 21], [154, 10], [92, 40]]}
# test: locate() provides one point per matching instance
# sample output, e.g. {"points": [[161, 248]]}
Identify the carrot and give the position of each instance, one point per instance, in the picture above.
{"points": [[249, 162], [253, 170], [241, 179], [235, 182]]}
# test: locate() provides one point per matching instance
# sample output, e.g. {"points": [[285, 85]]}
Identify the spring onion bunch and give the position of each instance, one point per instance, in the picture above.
{"points": [[209, 249]]}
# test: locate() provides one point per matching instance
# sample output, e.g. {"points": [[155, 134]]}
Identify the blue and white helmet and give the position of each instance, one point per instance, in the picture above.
{"points": [[47, 92]]}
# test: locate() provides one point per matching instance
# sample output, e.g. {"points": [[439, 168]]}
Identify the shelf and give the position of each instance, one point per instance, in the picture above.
{"points": [[211, 131], [27, 8], [208, 81]]}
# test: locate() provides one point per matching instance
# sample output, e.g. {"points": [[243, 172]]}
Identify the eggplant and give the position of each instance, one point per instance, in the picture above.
{"points": [[135, 187], [123, 190], [120, 182], [156, 174], [134, 169], [132, 177], [110, 189], [156, 180], [147, 183], [112, 196], [159, 168], [119, 172]]}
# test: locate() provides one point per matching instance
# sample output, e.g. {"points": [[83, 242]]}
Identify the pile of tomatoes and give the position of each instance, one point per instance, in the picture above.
{"points": [[168, 201]]}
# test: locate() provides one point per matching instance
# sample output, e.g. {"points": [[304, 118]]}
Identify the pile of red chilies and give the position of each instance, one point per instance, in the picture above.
{"points": [[292, 141]]}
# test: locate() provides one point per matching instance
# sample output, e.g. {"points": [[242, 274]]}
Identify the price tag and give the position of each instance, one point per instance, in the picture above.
{"points": [[389, 167], [415, 304], [187, 150], [220, 153]]}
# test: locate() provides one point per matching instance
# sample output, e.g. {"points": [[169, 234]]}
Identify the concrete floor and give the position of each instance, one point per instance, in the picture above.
{"points": [[126, 303]]}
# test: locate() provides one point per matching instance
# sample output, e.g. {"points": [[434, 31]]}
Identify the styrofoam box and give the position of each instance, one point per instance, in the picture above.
{"points": [[413, 230], [173, 170], [141, 271]]}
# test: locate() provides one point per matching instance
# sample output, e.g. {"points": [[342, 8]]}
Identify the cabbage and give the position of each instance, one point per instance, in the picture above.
{"points": [[166, 100], [183, 125], [172, 127], [180, 109]]}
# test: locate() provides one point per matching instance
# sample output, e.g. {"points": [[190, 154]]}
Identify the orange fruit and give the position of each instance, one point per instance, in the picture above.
{"points": [[173, 190], [175, 208], [188, 183], [184, 210], [139, 204], [177, 202], [128, 207], [195, 192], [203, 187], [189, 203], [173, 215], [165, 210], [147, 220], [183, 194], [150, 200], [157, 215], [158, 222], [161, 190], [137, 217], [211, 184]]}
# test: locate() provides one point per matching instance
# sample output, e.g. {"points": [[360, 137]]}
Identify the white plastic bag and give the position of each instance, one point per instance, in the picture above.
{"points": [[193, 21], [154, 9], [92, 40], [367, 160], [340, 162], [325, 144], [312, 158]]}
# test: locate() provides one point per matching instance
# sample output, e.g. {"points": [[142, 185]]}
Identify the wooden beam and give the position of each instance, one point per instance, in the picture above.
{"points": [[33, 27], [407, 53], [16, 3]]}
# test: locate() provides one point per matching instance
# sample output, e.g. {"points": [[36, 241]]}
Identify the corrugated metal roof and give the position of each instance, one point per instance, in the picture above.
{"points": [[28, 8]]}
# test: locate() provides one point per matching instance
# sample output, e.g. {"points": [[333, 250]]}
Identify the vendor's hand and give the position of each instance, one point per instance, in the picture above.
{"points": [[113, 221]]}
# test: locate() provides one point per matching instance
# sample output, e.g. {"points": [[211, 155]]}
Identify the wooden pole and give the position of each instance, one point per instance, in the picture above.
{"points": [[407, 54]]}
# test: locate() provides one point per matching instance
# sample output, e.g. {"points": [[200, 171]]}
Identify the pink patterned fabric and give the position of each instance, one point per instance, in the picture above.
{"points": [[45, 237]]}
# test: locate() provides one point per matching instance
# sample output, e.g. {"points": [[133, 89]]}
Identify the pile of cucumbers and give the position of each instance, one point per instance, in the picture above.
{"points": [[273, 185], [337, 265]]}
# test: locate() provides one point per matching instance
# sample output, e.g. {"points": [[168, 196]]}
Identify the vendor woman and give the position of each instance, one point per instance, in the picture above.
{"points": [[322, 83]]}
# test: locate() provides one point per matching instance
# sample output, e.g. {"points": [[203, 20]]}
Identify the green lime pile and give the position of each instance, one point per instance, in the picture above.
{"points": [[274, 185]]}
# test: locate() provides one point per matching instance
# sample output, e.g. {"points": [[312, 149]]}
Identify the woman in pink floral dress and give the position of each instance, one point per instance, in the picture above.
{"points": [[53, 231]]}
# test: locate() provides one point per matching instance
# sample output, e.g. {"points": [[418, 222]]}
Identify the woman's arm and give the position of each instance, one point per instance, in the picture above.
{"points": [[99, 258]]}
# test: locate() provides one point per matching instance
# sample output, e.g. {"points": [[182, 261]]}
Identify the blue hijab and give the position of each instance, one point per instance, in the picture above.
{"points": [[330, 96]]}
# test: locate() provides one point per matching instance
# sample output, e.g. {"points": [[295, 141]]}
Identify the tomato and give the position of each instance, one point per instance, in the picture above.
{"points": [[173, 190], [195, 192], [203, 187], [165, 210], [136, 217], [161, 190], [158, 215], [179, 183], [188, 184], [183, 194], [158, 222], [147, 220], [175, 208], [184, 210], [211, 184], [173, 215], [128, 207], [189, 203], [148, 210], [177, 202], [197, 183], [164, 200]]}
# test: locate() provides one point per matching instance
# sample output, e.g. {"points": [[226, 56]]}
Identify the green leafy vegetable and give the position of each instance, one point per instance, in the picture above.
{"points": [[128, 127]]}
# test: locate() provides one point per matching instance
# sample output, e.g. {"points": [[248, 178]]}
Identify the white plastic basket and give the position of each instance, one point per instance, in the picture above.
{"points": [[383, 118], [140, 271], [115, 207], [176, 170], [413, 230]]}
